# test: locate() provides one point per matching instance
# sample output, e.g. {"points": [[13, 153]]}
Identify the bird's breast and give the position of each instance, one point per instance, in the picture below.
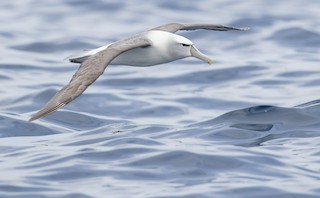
{"points": [[141, 57]]}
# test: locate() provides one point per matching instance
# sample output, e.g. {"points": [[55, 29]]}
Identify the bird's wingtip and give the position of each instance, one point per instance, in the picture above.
{"points": [[45, 111], [32, 119], [36, 116]]}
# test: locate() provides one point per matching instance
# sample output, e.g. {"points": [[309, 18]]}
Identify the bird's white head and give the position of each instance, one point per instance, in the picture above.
{"points": [[172, 47], [183, 47]]}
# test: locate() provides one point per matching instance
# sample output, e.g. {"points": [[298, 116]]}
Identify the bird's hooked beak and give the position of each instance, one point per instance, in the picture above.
{"points": [[197, 54]]}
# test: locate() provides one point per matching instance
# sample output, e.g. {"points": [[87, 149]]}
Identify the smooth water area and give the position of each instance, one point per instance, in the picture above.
{"points": [[246, 126]]}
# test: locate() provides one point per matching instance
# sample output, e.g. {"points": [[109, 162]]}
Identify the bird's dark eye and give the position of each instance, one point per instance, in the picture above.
{"points": [[185, 45]]}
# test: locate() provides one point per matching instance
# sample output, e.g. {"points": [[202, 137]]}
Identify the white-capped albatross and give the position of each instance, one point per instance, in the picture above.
{"points": [[156, 46]]}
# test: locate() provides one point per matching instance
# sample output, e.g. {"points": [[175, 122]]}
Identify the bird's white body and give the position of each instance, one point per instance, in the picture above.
{"points": [[166, 47]]}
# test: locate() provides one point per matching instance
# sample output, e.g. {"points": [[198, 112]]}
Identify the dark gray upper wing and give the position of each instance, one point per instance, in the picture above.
{"points": [[88, 72], [173, 27]]}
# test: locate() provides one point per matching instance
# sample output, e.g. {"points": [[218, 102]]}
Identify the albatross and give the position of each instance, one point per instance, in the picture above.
{"points": [[155, 46]]}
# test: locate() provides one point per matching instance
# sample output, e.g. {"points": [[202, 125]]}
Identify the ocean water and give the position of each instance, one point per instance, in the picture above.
{"points": [[247, 126]]}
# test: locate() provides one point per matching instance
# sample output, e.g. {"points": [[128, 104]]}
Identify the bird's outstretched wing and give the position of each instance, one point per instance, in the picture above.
{"points": [[174, 27], [88, 72]]}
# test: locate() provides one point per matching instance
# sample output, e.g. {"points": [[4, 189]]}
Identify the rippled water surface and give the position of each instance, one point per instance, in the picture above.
{"points": [[247, 126]]}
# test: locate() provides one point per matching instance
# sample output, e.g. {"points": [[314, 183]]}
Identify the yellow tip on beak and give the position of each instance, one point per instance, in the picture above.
{"points": [[197, 54]]}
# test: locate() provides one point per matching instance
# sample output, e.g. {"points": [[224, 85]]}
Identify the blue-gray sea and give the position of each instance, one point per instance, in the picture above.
{"points": [[246, 126]]}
